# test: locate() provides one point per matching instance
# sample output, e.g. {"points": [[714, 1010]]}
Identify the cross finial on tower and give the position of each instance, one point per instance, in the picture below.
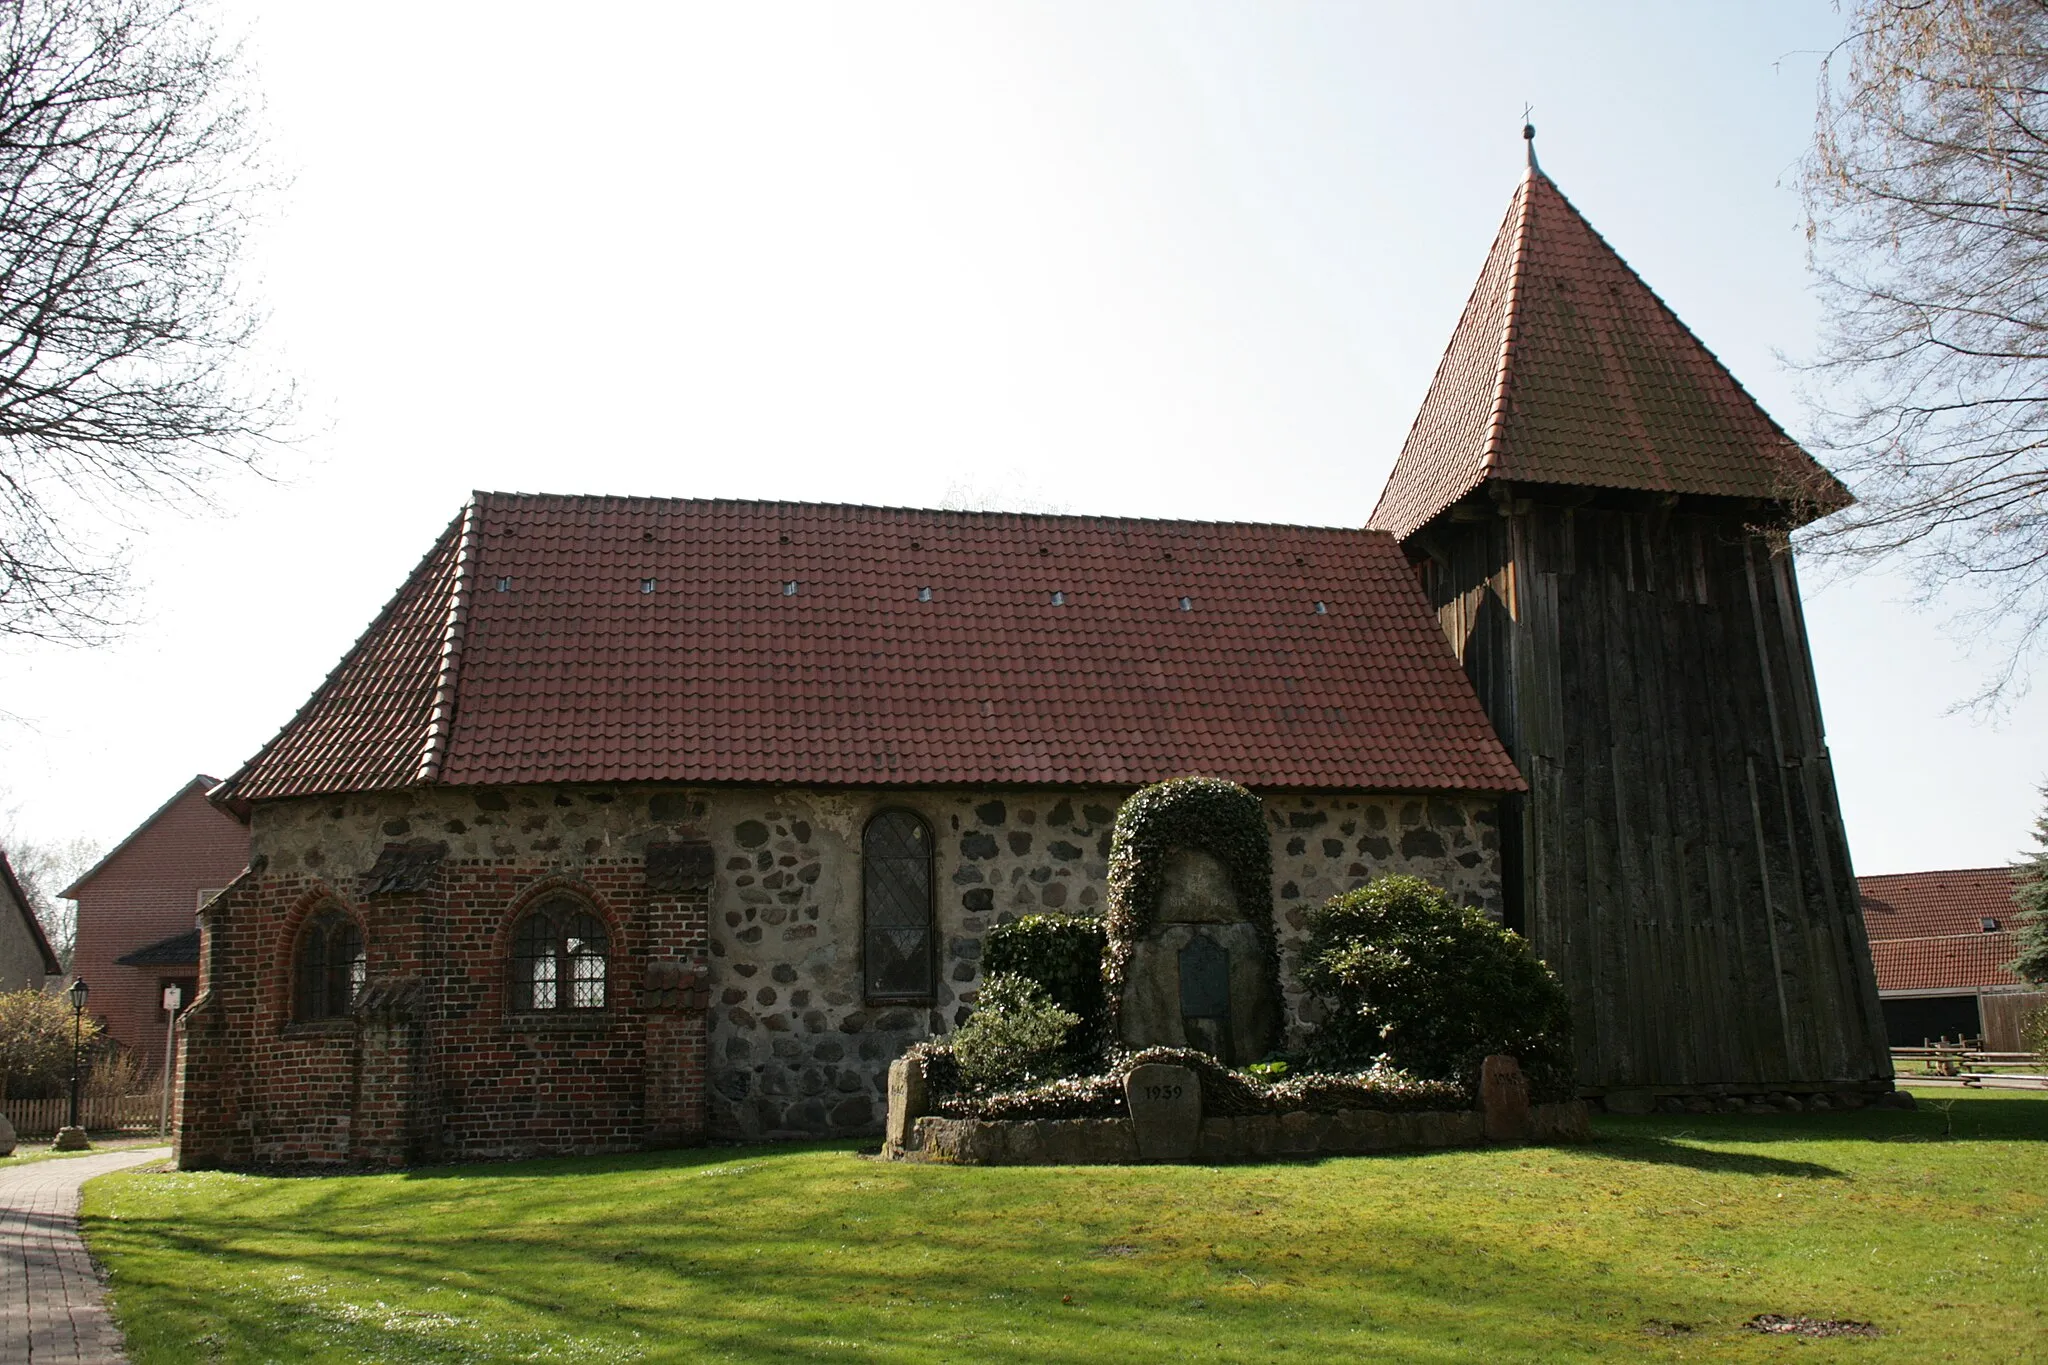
{"points": [[1529, 136]]}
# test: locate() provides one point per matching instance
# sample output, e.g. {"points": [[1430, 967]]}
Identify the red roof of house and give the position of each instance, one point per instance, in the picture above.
{"points": [[596, 639], [1925, 904], [1927, 930], [1952, 960], [1567, 369]]}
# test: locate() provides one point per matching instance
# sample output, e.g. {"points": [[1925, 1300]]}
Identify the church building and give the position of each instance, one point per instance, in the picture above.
{"points": [[634, 821]]}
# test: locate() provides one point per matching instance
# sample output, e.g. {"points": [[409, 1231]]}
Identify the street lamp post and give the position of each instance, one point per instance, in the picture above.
{"points": [[73, 1137]]}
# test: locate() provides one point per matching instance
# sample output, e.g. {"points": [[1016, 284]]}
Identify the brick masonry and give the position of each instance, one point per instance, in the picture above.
{"points": [[736, 1011], [146, 891]]}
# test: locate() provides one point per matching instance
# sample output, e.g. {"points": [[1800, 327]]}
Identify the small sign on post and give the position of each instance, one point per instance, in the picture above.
{"points": [[174, 996]]}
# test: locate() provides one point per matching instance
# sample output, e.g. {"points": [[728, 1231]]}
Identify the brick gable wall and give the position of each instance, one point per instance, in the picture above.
{"points": [[145, 892]]}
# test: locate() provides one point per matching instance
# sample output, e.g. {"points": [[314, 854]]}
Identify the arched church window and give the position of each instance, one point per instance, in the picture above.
{"points": [[329, 967], [560, 956], [896, 898]]}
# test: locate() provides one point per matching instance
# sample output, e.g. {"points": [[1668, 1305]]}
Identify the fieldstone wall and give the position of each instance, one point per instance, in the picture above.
{"points": [[793, 1048]]}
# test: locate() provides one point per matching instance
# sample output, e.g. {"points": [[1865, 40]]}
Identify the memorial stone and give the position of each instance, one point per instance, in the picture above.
{"points": [[1199, 976], [1166, 1110]]}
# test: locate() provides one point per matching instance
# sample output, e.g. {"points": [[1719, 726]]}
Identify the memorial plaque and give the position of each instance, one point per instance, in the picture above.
{"points": [[1204, 979], [1196, 890], [1166, 1111], [1205, 995]]}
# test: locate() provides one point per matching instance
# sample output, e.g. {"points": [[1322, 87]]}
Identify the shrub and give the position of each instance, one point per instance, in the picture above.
{"points": [[2034, 1030], [35, 1043], [1431, 987], [1208, 814], [1063, 954], [1016, 1033], [1224, 1092]]}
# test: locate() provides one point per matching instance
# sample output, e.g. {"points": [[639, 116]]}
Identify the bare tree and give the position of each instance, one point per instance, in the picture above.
{"points": [[128, 163], [1927, 198], [44, 869]]}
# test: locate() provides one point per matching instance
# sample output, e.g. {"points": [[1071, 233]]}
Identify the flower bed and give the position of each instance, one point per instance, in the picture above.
{"points": [[1224, 1116]]}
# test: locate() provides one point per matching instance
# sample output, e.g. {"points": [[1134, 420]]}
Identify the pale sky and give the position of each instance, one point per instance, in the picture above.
{"points": [[1160, 259]]}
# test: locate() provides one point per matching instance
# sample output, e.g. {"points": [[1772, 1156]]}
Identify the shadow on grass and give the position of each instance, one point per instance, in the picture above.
{"points": [[1967, 1116], [1664, 1151], [795, 1269]]}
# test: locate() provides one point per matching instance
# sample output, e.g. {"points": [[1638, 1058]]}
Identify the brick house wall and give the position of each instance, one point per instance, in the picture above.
{"points": [[736, 1011], [145, 891], [25, 956]]}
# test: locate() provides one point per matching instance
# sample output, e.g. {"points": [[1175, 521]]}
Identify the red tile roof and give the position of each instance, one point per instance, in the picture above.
{"points": [[588, 639], [1927, 928], [1958, 960], [1567, 369], [1924, 904]]}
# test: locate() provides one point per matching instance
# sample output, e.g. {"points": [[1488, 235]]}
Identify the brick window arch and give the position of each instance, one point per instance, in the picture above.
{"points": [[328, 967], [561, 958], [897, 960]]}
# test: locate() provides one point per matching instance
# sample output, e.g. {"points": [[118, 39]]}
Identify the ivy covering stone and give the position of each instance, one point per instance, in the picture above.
{"points": [[1206, 814], [1225, 1093]]}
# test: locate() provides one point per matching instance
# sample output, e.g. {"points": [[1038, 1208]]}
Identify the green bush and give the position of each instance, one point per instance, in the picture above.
{"points": [[1208, 814], [2034, 1030], [1016, 1033], [1062, 953], [36, 1042], [1433, 988]]}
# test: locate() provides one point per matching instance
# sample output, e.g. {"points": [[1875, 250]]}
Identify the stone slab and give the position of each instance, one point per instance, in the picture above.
{"points": [[1165, 1104], [1504, 1099]]}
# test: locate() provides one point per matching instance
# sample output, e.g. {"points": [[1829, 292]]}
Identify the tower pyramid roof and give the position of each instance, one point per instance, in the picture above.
{"points": [[1567, 369]]}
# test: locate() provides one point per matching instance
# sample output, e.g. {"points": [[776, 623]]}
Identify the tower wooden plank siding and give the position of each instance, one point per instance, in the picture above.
{"points": [[1598, 511]]}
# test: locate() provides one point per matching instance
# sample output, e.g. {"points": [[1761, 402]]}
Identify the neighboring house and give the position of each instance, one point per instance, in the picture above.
{"points": [[1941, 942], [138, 929], [640, 820], [25, 954]]}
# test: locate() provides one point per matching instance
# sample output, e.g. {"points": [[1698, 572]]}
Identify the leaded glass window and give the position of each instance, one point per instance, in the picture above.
{"points": [[560, 955], [896, 885], [329, 966]]}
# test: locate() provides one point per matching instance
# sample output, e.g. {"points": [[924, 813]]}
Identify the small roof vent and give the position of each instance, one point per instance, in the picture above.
{"points": [[789, 588], [1059, 599], [646, 585], [924, 594], [1990, 925]]}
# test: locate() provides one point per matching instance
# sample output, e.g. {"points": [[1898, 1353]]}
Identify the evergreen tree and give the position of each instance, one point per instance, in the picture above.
{"points": [[2031, 895]]}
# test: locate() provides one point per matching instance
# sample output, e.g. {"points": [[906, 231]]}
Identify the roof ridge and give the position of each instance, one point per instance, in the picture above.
{"points": [[1497, 419], [441, 721], [199, 780], [500, 500], [224, 793], [1683, 326]]}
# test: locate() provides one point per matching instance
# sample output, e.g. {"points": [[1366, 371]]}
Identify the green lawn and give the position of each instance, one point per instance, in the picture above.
{"points": [[1660, 1239]]}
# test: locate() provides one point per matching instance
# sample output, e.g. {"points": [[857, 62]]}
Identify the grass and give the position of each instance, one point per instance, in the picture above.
{"points": [[1658, 1240], [42, 1151]]}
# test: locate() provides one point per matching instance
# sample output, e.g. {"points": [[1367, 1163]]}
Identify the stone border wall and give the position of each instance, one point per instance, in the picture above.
{"points": [[1255, 1137], [1166, 1125]]}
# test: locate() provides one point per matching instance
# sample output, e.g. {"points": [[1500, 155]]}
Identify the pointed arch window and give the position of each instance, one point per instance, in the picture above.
{"points": [[561, 957], [899, 949], [329, 967]]}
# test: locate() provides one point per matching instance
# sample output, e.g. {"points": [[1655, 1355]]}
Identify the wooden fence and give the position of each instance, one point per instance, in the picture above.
{"points": [[99, 1114]]}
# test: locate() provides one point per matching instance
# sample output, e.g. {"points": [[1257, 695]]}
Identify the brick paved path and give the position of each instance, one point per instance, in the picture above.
{"points": [[50, 1309]]}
